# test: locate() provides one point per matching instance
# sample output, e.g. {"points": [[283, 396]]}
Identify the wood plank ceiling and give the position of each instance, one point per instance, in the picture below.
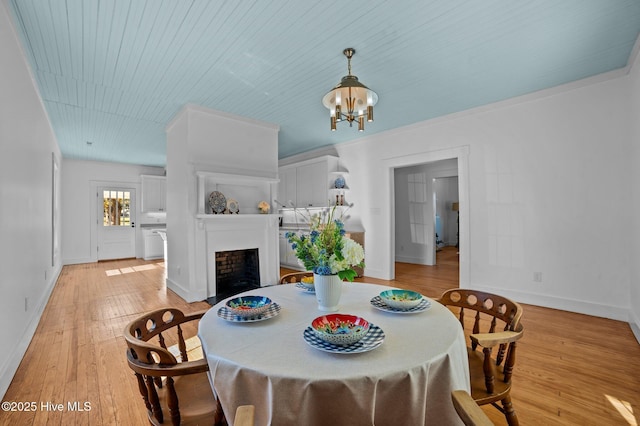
{"points": [[112, 73]]}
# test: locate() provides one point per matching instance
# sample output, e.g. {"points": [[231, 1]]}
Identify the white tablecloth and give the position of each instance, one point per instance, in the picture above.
{"points": [[406, 381]]}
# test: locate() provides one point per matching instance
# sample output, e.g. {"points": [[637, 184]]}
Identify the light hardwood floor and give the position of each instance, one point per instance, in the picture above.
{"points": [[571, 370]]}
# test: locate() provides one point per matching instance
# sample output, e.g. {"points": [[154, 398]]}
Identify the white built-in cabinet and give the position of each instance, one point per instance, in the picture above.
{"points": [[154, 193], [287, 186], [310, 183], [287, 254]]}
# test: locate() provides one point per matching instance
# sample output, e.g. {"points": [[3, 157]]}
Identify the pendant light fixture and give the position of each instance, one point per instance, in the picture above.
{"points": [[350, 100]]}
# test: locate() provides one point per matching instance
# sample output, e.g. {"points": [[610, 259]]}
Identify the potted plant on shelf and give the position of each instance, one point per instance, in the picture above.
{"points": [[327, 252]]}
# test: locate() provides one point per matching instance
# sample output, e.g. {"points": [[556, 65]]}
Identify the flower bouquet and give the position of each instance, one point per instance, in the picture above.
{"points": [[326, 250]]}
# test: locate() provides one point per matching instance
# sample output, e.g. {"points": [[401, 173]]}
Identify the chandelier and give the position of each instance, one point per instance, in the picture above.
{"points": [[350, 100]]}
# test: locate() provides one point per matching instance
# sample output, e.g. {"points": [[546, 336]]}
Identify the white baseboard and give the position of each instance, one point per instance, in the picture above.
{"points": [[187, 295], [634, 322], [78, 261], [410, 259], [375, 273], [578, 306], [8, 370], [294, 267]]}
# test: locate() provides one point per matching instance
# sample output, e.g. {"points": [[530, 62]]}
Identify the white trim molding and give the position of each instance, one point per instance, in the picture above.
{"points": [[460, 153]]}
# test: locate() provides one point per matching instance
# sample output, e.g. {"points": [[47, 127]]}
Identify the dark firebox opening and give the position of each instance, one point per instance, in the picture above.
{"points": [[236, 271]]}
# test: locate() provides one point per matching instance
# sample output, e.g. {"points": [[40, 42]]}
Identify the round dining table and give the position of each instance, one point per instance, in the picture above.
{"points": [[406, 380]]}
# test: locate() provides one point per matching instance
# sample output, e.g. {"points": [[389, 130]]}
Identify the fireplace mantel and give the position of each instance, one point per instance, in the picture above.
{"points": [[225, 232]]}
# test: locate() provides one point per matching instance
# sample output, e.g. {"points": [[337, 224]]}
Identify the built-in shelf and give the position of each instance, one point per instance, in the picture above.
{"points": [[247, 191]]}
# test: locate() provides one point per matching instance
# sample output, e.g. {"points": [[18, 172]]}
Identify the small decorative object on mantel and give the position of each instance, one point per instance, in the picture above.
{"points": [[264, 207], [232, 206], [217, 202], [339, 182], [329, 254]]}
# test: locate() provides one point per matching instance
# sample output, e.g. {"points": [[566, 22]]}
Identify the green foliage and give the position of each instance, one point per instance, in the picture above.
{"points": [[326, 250]]}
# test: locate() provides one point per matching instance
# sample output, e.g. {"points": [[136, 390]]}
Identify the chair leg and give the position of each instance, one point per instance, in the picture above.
{"points": [[172, 402], [509, 412], [156, 409]]}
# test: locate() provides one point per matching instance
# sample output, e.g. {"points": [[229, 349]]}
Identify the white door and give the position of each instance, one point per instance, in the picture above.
{"points": [[116, 223]]}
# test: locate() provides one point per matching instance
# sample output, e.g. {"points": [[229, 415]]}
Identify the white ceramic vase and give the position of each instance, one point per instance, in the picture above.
{"points": [[328, 291]]}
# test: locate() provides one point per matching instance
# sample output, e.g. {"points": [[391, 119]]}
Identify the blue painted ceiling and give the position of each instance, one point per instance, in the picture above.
{"points": [[112, 73]]}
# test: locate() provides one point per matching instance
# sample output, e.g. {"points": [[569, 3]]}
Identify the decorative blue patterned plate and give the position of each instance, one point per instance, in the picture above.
{"points": [[227, 315], [372, 340], [379, 304], [304, 289], [217, 202]]}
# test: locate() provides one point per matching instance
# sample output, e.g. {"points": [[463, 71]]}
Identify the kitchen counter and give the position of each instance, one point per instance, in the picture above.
{"points": [[153, 226], [294, 227], [305, 227]]}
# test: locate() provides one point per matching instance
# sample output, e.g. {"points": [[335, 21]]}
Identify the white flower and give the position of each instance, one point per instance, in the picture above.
{"points": [[352, 252], [337, 265]]}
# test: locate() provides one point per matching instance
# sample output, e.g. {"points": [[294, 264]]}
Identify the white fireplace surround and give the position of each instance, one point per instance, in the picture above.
{"points": [[217, 233]]}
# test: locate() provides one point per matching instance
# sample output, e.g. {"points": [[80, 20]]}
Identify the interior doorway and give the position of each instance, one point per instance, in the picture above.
{"points": [[423, 196], [461, 154]]}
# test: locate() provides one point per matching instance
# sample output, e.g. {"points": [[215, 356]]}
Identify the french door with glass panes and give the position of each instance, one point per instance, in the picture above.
{"points": [[116, 223]]}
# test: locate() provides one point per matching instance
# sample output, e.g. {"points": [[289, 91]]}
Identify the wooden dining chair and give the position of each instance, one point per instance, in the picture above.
{"points": [[245, 415], [174, 391], [294, 277], [493, 326], [468, 410]]}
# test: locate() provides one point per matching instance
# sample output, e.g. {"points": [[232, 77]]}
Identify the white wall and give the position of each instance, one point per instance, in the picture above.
{"points": [[545, 180], [546, 176], [180, 190], [80, 180], [27, 147], [633, 205], [200, 139]]}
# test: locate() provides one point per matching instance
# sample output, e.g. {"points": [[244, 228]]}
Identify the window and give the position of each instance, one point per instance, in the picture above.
{"points": [[116, 208]]}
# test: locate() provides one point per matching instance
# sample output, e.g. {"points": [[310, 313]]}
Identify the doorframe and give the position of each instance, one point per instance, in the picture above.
{"points": [[462, 155], [440, 175], [94, 208]]}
